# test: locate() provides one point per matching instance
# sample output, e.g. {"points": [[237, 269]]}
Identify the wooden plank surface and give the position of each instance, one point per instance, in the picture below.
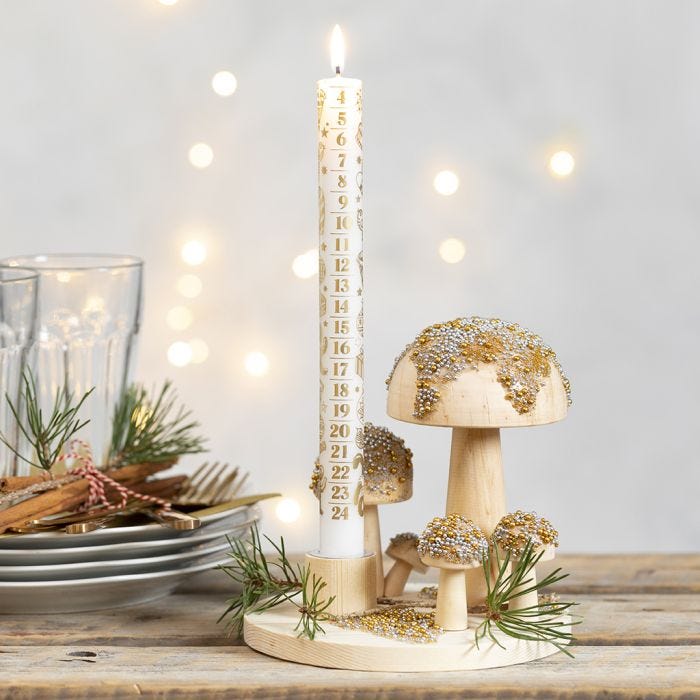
{"points": [[190, 620], [640, 637], [32, 672]]}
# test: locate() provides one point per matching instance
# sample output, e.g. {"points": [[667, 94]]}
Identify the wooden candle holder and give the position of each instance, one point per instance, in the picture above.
{"points": [[474, 405]]}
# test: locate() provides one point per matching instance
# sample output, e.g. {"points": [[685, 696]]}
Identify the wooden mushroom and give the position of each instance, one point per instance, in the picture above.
{"points": [[388, 478], [512, 534], [453, 544], [477, 375], [403, 549]]}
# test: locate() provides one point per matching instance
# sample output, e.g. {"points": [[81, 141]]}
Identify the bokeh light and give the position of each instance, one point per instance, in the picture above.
{"points": [[288, 510], [256, 364], [200, 350], [194, 252], [452, 250], [201, 155], [562, 164], [190, 286], [306, 264], [446, 182], [179, 318], [179, 354], [224, 83]]}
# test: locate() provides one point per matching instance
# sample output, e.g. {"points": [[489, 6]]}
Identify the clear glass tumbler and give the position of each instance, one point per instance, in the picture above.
{"points": [[89, 313], [18, 297]]}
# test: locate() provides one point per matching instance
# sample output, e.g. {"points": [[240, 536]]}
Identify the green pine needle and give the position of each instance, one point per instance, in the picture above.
{"points": [[147, 429], [49, 436], [537, 623], [265, 583]]}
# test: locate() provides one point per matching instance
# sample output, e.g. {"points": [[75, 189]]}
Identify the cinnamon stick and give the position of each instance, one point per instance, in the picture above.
{"points": [[131, 471], [14, 483], [68, 496]]}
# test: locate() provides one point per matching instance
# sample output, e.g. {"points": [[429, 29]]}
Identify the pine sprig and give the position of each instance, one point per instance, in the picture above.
{"points": [[47, 436], [147, 429], [536, 623], [266, 583]]}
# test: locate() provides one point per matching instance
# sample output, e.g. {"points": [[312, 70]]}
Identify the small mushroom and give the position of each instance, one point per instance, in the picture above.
{"points": [[512, 535], [388, 478], [453, 544], [403, 548]]}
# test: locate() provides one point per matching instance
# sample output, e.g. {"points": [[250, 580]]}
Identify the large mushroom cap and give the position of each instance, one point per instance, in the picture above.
{"points": [[453, 541], [515, 530], [388, 467], [480, 373], [404, 547]]}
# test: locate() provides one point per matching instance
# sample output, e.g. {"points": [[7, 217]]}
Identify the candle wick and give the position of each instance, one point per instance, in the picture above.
{"points": [[337, 70]]}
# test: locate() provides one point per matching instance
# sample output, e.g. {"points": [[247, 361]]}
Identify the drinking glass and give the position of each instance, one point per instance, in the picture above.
{"points": [[18, 296], [89, 311]]}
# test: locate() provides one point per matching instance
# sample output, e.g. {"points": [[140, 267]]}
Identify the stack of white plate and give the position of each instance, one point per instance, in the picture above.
{"points": [[55, 572]]}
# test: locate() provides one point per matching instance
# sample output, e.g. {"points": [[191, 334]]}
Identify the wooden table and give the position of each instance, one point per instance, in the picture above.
{"points": [[640, 638]]}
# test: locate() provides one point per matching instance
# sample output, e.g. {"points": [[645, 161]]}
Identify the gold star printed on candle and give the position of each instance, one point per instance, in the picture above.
{"points": [[324, 132], [325, 289], [359, 159]]}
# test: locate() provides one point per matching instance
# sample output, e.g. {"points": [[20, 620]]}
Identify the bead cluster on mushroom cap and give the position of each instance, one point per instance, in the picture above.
{"points": [[404, 538], [406, 624], [453, 539], [515, 530], [444, 350], [388, 466]]}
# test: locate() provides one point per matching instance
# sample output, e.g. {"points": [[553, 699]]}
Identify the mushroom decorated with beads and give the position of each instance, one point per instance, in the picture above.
{"points": [[388, 478], [453, 544], [512, 535], [403, 549], [477, 375]]}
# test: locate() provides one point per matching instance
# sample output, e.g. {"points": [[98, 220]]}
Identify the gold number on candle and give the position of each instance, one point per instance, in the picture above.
{"points": [[340, 493], [339, 513], [343, 201], [342, 327], [341, 159], [342, 285], [342, 264], [341, 390], [342, 245], [343, 222], [341, 307], [341, 410], [342, 120], [342, 182], [340, 139], [340, 431], [341, 97], [342, 349], [340, 369], [339, 452]]}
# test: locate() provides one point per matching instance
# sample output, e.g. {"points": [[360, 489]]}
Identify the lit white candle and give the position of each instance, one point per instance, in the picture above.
{"points": [[340, 280]]}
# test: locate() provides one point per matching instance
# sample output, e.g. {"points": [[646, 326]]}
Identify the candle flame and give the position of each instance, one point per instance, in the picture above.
{"points": [[337, 50]]}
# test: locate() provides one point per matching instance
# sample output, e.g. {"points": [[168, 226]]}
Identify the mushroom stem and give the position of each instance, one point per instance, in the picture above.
{"points": [[373, 543], [396, 578], [451, 608], [526, 600], [476, 490]]}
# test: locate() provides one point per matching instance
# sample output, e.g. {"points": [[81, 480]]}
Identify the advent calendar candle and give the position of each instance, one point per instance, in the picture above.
{"points": [[340, 289]]}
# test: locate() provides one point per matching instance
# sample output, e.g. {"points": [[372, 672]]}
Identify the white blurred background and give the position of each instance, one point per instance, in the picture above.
{"points": [[103, 100]]}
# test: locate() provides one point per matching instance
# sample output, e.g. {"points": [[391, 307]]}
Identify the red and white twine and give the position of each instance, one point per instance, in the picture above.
{"points": [[98, 481]]}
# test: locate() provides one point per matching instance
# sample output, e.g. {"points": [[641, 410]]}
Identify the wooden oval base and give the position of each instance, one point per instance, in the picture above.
{"points": [[273, 633]]}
